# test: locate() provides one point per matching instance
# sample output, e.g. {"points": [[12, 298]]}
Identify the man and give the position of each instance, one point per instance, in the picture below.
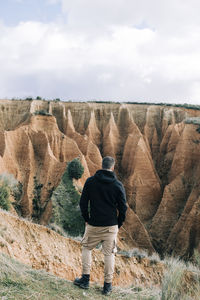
{"points": [[107, 200]]}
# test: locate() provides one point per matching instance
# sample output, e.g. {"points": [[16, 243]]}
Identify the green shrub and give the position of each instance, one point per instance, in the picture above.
{"points": [[38, 98], [37, 203], [66, 210], [7, 185], [75, 169], [42, 112], [4, 197], [17, 192]]}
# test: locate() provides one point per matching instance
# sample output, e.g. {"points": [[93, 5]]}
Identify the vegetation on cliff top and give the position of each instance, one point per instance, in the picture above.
{"points": [[42, 112], [194, 121], [184, 105]]}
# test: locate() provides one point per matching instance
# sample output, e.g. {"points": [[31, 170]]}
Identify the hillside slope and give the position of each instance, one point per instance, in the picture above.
{"points": [[41, 248], [20, 282]]}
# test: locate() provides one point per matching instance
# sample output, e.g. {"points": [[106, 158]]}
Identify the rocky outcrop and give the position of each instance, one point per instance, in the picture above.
{"points": [[179, 206], [157, 159]]}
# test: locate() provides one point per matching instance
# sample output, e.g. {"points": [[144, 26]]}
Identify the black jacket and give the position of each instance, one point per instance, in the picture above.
{"points": [[106, 198]]}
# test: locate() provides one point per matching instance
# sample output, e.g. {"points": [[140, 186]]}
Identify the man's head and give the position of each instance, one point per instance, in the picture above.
{"points": [[108, 163]]}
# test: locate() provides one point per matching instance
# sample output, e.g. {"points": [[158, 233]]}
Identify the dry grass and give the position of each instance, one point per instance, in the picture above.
{"points": [[181, 281], [18, 282]]}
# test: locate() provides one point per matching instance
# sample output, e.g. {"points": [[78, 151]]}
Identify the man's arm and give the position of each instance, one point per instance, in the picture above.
{"points": [[84, 203], [121, 205]]}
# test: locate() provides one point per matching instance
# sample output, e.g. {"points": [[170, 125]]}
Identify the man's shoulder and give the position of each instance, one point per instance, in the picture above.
{"points": [[89, 180], [118, 181], [119, 184]]}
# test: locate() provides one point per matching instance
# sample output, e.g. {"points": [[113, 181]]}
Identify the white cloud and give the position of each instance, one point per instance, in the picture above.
{"points": [[53, 1], [172, 16], [114, 50]]}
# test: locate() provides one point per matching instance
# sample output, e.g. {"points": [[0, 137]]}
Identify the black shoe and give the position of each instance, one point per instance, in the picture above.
{"points": [[107, 288], [83, 282]]}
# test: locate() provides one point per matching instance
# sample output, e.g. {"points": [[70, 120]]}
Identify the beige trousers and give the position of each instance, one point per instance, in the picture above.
{"points": [[107, 236]]}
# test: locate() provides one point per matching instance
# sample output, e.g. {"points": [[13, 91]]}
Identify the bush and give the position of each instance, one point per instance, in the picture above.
{"points": [[42, 113], [75, 169], [66, 210], [7, 185], [10, 186], [4, 197], [17, 192], [37, 204]]}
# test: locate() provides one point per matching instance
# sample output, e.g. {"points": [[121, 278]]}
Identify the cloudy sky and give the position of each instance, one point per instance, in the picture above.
{"points": [[118, 50]]}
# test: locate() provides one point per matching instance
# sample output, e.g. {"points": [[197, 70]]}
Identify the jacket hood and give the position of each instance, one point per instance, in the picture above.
{"points": [[105, 176]]}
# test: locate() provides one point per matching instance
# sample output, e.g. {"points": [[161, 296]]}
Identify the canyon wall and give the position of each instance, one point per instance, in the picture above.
{"points": [[157, 159]]}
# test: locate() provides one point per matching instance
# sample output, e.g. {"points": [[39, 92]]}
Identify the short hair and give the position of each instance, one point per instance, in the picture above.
{"points": [[108, 162]]}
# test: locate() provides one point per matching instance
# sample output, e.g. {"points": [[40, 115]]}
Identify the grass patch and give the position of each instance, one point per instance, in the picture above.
{"points": [[181, 280], [172, 282], [18, 282], [139, 254]]}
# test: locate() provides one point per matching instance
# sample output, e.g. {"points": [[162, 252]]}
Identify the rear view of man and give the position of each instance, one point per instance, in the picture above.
{"points": [[107, 200]]}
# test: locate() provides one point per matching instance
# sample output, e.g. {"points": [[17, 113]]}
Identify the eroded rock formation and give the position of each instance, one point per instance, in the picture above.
{"points": [[157, 159]]}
